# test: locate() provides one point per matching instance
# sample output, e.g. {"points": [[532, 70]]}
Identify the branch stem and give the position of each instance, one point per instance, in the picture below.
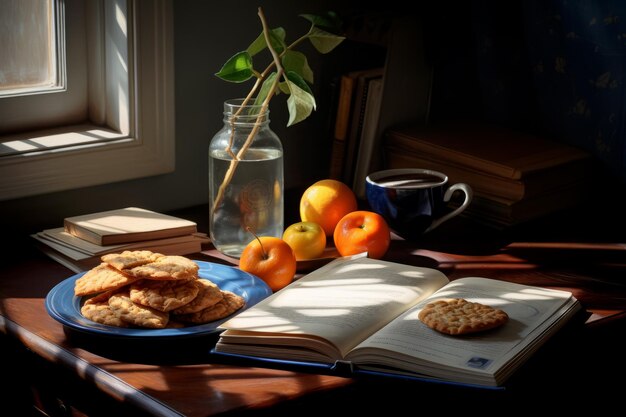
{"points": [[257, 124]]}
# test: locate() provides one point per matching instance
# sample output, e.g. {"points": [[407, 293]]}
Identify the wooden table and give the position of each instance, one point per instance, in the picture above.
{"points": [[64, 372]]}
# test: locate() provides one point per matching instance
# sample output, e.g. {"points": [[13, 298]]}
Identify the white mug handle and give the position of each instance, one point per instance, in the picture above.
{"points": [[467, 190]]}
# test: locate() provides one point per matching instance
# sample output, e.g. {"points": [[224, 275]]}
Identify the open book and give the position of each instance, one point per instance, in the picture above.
{"points": [[365, 312]]}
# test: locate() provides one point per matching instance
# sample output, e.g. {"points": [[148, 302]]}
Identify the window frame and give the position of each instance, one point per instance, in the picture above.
{"points": [[145, 148]]}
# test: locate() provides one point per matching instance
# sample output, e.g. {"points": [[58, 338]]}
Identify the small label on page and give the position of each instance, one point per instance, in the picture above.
{"points": [[478, 362]]}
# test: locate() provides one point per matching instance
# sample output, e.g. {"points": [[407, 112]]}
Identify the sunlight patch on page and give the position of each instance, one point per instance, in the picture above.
{"points": [[531, 294], [413, 274], [352, 268], [343, 281], [327, 312], [265, 321], [343, 297], [447, 293]]}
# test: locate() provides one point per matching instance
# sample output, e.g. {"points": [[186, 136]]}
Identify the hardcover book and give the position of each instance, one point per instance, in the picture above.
{"points": [[349, 119], [126, 225], [491, 150], [362, 314], [502, 213], [575, 173], [357, 118], [368, 136]]}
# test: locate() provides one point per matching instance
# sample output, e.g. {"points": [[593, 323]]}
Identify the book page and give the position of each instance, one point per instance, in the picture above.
{"points": [[407, 337], [342, 302]]}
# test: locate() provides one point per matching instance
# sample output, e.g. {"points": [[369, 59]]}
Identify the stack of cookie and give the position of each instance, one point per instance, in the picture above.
{"points": [[151, 290]]}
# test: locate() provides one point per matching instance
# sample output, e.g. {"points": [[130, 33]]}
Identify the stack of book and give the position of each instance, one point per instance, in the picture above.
{"points": [[82, 240], [356, 122], [516, 177]]}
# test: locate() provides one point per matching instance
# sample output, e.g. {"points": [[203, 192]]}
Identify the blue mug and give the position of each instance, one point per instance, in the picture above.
{"points": [[413, 201]]}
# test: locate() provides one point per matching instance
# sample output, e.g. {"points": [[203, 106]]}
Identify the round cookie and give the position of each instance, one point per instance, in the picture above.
{"points": [[458, 316], [163, 295], [97, 309], [130, 259], [169, 267], [136, 314], [227, 306], [209, 294], [101, 278]]}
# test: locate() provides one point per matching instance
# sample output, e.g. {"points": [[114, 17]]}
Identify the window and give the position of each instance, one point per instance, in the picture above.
{"points": [[104, 111], [28, 58]]}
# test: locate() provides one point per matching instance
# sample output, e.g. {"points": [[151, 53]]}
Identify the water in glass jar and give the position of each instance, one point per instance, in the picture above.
{"points": [[253, 198]]}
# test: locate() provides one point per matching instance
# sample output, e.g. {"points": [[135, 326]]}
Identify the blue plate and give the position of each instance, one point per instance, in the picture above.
{"points": [[64, 306]]}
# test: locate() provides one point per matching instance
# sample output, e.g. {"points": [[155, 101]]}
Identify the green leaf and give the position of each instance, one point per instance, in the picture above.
{"points": [[277, 38], [237, 69], [265, 89], [284, 87], [300, 104], [329, 21], [296, 61], [324, 41], [296, 79]]}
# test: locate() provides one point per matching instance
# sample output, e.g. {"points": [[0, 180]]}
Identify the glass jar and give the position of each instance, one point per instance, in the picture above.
{"points": [[245, 179]]}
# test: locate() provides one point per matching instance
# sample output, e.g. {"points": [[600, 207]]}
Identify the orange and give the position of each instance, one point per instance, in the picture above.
{"points": [[326, 202], [270, 259], [362, 231]]}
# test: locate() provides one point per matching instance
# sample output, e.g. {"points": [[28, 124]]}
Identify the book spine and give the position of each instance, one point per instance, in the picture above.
{"points": [[336, 159], [414, 144], [557, 177], [538, 183], [503, 213], [84, 234], [356, 122], [368, 136], [342, 121], [343, 107]]}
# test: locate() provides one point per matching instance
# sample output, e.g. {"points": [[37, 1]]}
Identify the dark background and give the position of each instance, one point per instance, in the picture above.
{"points": [[552, 68]]}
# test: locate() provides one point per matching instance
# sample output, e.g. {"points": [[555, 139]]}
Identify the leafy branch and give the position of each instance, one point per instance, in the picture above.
{"points": [[296, 70], [288, 65]]}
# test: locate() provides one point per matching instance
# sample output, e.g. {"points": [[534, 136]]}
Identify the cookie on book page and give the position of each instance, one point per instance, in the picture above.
{"points": [[458, 316]]}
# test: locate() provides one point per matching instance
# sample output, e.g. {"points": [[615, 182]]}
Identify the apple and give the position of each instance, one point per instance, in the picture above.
{"points": [[307, 239], [271, 259], [362, 231]]}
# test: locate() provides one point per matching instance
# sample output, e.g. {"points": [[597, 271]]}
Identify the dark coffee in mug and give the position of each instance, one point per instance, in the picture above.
{"points": [[412, 200], [414, 180]]}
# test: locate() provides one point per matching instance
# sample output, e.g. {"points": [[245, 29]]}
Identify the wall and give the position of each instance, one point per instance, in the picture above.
{"points": [[553, 68], [207, 33], [484, 55]]}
